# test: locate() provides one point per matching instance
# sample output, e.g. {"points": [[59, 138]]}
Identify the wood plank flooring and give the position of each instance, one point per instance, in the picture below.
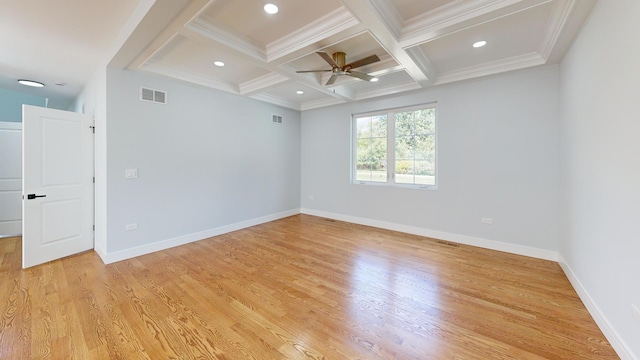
{"points": [[298, 288]]}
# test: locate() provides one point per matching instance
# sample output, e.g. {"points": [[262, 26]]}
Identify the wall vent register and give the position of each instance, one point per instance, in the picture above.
{"points": [[152, 95], [276, 119]]}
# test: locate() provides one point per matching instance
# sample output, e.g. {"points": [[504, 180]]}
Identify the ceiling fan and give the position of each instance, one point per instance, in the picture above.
{"points": [[339, 66]]}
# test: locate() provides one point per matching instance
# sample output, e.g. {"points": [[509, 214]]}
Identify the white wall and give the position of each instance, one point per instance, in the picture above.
{"points": [[497, 158], [600, 134], [207, 159]]}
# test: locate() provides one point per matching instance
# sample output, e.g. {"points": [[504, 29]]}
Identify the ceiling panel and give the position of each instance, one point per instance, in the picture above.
{"points": [[192, 57], [247, 17], [509, 36]]}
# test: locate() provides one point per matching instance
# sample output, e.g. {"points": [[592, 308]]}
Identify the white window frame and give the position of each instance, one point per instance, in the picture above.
{"points": [[391, 153]]}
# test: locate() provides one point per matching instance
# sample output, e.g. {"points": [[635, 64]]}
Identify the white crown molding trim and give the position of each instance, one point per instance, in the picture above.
{"points": [[435, 234], [229, 38], [601, 320], [388, 90], [447, 19], [111, 257], [316, 104], [330, 24], [187, 76], [421, 60], [560, 14], [276, 101], [262, 82], [490, 68], [390, 16]]}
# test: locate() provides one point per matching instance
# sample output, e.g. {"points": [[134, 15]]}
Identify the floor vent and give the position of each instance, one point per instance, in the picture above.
{"points": [[441, 242], [276, 119], [156, 96]]}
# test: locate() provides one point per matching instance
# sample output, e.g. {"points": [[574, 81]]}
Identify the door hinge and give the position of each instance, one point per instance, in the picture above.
{"points": [[94, 228], [94, 179], [93, 128]]}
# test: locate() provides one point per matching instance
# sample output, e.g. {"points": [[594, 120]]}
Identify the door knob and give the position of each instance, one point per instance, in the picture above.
{"points": [[33, 196]]}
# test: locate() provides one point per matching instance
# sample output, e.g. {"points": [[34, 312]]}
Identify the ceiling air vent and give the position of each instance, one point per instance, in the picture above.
{"points": [[276, 119], [156, 96]]}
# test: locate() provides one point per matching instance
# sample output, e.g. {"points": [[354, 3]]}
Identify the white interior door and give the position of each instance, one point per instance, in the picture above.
{"points": [[57, 182], [10, 178]]}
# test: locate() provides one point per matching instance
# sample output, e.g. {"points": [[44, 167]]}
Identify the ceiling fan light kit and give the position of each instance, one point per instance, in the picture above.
{"points": [[340, 67]]}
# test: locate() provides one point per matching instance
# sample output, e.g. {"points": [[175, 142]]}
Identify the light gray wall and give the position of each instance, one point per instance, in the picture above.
{"points": [[205, 159], [601, 163], [497, 158]]}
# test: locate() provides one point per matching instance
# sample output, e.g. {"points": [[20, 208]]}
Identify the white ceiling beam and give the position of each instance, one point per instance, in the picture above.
{"points": [[368, 14], [189, 12]]}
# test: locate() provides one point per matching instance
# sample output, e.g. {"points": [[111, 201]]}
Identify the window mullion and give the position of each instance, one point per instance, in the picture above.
{"points": [[391, 147]]}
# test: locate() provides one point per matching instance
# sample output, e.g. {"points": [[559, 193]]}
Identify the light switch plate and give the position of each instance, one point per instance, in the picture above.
{"points": [[131, 173]]}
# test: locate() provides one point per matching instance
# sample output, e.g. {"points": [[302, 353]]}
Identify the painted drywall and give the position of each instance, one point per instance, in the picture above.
{"points": [[206, 159], [93, 100], [497, 158], [11, 104], [600, 174]]}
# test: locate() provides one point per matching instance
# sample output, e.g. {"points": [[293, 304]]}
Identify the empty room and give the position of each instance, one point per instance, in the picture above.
{"points": [[336, 179]]}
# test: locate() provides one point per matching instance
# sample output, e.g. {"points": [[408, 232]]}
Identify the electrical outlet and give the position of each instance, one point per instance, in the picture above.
{"points": [[487, 221], [130, 227], [131, 173], [636, 313]]}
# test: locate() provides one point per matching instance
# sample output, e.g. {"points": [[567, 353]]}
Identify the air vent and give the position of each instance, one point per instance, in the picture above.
{"points": [[156, 96], [447, 243], [276, 119]]}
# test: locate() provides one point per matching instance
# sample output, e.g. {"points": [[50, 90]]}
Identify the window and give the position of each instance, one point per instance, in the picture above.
{"points": [[396, 147]]}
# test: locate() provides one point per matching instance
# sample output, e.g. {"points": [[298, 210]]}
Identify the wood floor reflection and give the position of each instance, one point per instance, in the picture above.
{"points": [[299, 288]]}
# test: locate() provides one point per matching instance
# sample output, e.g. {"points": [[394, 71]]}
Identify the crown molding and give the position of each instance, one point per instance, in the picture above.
{"points": [[562, 9], [388, 90], [328, 25], [262, 82], [184, 75], [277, 101], [316, 104], [490, 68], [390, 16], [423, 63], [229, 38]]}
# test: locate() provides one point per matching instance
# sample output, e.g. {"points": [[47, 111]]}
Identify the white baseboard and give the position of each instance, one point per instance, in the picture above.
{"points": [[116, 256], [609, 332], [457, 238], [101, 252]]}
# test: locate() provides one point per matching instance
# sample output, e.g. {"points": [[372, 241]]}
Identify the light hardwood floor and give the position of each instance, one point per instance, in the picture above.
{"points": [[299, 288]]}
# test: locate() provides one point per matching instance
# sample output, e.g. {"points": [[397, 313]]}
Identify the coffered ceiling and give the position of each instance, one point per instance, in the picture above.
{"points": [[419, 43]]}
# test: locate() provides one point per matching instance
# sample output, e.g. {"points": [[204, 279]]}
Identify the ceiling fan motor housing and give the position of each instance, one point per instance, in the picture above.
{"points": [[340, 58]]}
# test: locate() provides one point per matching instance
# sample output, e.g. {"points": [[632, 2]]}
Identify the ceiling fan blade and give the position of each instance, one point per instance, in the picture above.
{"points": [[362, 62], [360, 75], [327, 58], [332, 79], [310, 71]]}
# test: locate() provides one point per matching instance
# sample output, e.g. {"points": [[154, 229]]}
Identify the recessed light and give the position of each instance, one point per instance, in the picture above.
{"points": [[374, 79], [299, 92], [478, 44], [271, 9], [30, 83], [218, 63]]}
